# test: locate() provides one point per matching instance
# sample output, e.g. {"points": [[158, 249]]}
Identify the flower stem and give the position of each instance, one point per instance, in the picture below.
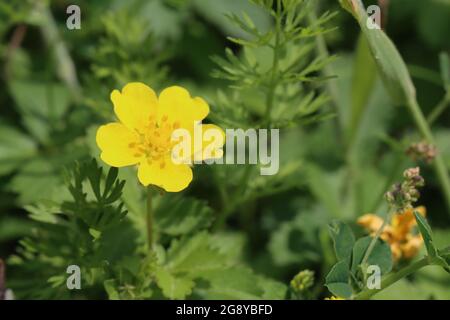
{"points": [[149, 218], [439, 109], [439, 164], [393, 278], [375, 238]]}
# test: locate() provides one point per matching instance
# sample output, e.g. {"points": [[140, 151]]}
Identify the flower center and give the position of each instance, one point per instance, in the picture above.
{"points": [[154, 141]]}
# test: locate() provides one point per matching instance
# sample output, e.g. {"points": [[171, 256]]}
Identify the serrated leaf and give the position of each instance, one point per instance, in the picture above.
{"points": [[172, 286], [194, 255], [176, 215]]}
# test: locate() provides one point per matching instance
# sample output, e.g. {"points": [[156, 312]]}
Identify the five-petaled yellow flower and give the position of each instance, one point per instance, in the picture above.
{"points": [[143, 134], [404, 243]]}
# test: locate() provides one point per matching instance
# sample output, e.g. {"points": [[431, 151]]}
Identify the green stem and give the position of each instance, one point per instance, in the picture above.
{"points": [[149, 218], [221, 188], [439, 164], [393, 278], [439, 109], [375, 238]]}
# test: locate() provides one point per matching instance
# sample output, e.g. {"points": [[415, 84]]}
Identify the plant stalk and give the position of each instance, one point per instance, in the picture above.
{"points": [[393, 278], [149, 218], [439, 164], [375, 238], [439, 109]]}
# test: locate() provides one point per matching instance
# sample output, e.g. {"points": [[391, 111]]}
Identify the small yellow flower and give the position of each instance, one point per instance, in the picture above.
{"points": [[398, 234], [334, 298], [143, 134]]}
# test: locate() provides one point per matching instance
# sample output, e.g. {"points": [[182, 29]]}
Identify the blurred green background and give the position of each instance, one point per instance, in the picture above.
{"points": [[54, 92]]}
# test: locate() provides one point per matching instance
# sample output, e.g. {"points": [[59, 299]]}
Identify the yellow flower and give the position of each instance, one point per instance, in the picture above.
{"points": [[334, 298], [398, 234], [143, 134]]}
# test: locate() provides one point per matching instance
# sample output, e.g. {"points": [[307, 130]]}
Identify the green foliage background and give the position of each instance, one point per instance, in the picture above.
{"points": [[232, 233]]}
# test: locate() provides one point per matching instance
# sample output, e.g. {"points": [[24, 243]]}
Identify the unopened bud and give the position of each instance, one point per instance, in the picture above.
{"points": [[303, 281]]}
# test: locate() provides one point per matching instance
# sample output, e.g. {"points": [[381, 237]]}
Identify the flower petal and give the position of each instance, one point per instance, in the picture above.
{"points": [[113, 140], [135, 105], [169, 176], [213, 140], [370, 222], [177, 105]]}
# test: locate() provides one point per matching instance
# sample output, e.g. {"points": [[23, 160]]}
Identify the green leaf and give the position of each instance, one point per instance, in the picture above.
{"points": [[391, 66], [176, 215], [381, 255], [42, 105], [37, 180], [343, 239], [111, 289], [95, 233], [173, 287], [43, 212], [240, 283], [110, 179], [325, 187], [445, 255], [15, 148], [364, 76], [194, 255], [425, 231], [337, 280]]}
